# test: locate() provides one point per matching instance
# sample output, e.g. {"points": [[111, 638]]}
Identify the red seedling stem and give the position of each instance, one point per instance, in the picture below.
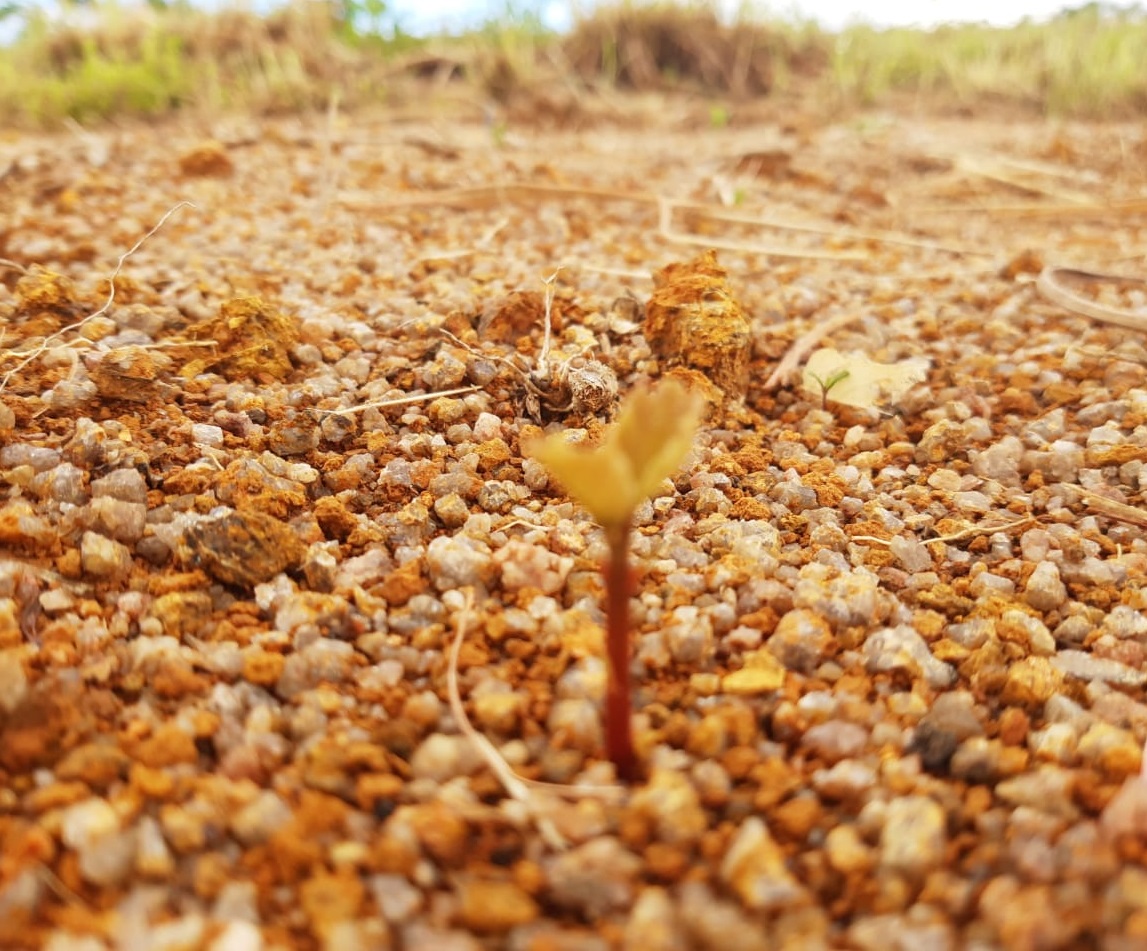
{"points": [[618, 702]]}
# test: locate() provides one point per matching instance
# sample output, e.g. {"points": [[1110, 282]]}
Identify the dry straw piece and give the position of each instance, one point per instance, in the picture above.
{"points": [[48, 342], [1051, 285]]}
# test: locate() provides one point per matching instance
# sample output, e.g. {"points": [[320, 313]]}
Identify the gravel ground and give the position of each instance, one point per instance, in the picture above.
{"points": [[889, 660]]}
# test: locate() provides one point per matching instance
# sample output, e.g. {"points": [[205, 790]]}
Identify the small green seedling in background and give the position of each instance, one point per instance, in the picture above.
{"points": [[827, 383], [719, 117], [653, 433]]}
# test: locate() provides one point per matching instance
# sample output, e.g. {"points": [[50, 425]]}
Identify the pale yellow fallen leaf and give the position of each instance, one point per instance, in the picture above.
{"points": [[854, 379]]}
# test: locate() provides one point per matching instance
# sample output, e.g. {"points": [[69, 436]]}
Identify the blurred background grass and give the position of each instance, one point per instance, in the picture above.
{"points": [[151, 60]]}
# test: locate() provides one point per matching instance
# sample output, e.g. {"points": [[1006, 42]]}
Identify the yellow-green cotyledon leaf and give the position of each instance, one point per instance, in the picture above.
{"points": [[650, 439]]}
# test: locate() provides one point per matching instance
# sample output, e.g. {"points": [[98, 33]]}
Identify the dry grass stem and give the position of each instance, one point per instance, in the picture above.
{"points": [[973, 531], [851, 234], [403, 400], [47, 342], [1050, 286], [766, 250], [996, 172], [480, 245], [1068, 210], [616, 272], [1120, 511], [492, 194], [544, 354], [530, 793], [524, 191]]}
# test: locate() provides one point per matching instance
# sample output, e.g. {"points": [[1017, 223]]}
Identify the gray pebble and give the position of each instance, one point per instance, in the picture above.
{"points": [[847, 780], [123, 521], [451, 510], [40, 458], [914, 835], [324, 660], [1083, 665], [755, 870], [458, 481], [1048, 789], [1125, 622], [912, 553], [593, 879], [1000, 462], [259, 819], [127, 485], [1045, 591], [902, 648], [716, 924], [458, 561], [102, 557], [64, 483], [835, 740]]}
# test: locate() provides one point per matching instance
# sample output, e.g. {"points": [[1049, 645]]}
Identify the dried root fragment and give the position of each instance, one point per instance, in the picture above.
{"points": [[693, 320], [573, 386]]}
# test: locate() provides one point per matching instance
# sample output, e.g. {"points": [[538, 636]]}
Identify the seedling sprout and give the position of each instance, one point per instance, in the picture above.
{"points": [[650, 439]]}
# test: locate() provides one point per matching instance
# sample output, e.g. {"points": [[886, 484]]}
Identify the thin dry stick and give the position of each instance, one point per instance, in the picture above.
{"points": [[1096, 209], [1049, 169], [530, 793], [543, 357], [768, 250], [666, 231], [45, 345], [616, 272], [328, 167], [56, 884], [852, 234], [491, 194], [485, 239], [529, 192], [972, 531], [1050, 287], [994, 172], [402, 400], [1112, 509]]}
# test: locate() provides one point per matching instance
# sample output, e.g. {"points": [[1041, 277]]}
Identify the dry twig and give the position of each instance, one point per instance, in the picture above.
{"points": [[46, 344], [530, 192], [533, 795], [973, 531], [402, 400], [1050, 286], [1120, 511]]}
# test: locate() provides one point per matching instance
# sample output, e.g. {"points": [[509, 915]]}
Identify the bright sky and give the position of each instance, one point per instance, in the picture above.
{"points": [[433, 14], [421, 16]]}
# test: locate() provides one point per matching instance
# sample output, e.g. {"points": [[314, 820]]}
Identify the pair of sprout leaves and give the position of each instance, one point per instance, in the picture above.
{"points": [[648, 442]]}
